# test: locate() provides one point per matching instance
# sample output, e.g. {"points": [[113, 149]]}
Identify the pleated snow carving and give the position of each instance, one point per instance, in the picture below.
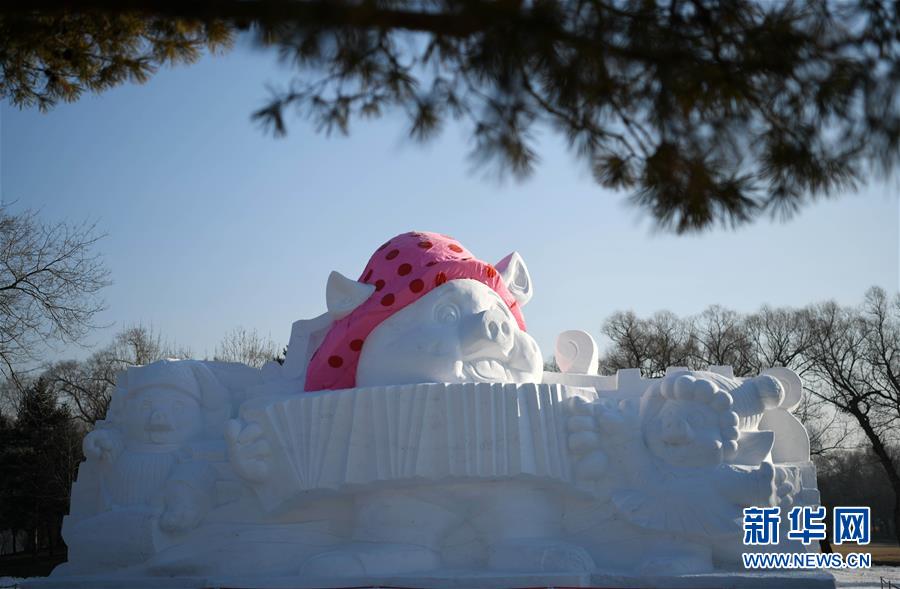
{"points": [[432, 432]]}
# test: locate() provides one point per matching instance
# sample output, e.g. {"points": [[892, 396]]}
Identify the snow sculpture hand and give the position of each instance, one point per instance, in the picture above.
{"points": [[248, 450], [584, 442], [182, 511], [104, 445], [765, 489], [787, 484]]}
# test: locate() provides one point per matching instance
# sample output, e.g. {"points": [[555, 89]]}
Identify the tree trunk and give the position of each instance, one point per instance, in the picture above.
{"points": [[887, 463], [897, 515]]}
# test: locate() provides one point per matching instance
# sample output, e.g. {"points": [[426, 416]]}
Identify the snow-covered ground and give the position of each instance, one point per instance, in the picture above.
{"points": [[867, 578], [846, 579]]}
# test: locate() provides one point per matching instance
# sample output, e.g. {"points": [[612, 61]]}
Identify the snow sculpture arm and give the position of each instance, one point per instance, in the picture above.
{"points": [[187, 497], [104, 445], [248, 451], [584, 443], [748, 487], [595, 429]]}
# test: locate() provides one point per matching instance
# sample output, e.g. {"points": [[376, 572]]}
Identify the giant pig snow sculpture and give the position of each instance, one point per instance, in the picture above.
{"points": [[411, 434], [424, 311]]}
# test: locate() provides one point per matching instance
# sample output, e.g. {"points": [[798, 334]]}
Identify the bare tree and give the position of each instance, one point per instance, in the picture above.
{"points": [[829, 430], [50, 279], [773, 337], [722, 340], [247, 347], [649, 344], [673, 342], [855, 365], [86, 385], [778, 337], [630, 342]]}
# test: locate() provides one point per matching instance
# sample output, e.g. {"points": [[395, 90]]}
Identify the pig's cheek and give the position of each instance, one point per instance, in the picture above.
{"points": [[437, 349], [525, 353], [441, 342]]}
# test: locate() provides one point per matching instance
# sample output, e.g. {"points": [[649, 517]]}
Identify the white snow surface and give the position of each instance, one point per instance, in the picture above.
{"points": [[867, 578], [846, 579]]}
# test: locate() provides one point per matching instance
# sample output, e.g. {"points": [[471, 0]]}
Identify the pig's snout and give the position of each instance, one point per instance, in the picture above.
{"points": [[488, 331]]}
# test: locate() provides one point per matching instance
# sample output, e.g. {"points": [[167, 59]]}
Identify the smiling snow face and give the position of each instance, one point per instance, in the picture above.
{"points": [[461, 331], [689, 422], [160, 416], [685, 433]]}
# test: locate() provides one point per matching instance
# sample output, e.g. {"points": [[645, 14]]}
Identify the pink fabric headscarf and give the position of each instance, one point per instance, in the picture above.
{"points": [[402, 270]]}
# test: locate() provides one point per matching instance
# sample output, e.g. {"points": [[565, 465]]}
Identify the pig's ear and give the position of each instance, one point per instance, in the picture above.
{"points": [[515, 275], [342, 295]]}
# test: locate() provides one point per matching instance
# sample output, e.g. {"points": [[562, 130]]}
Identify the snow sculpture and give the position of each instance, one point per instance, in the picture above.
{"points": [[144, 467], [684, 463], [411, 435]]}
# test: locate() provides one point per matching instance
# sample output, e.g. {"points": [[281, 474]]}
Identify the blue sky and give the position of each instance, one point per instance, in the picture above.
{"points": [[211, 224]]}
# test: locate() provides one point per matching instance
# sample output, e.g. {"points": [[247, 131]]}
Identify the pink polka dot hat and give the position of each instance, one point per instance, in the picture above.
{"points": [[402, 270]]}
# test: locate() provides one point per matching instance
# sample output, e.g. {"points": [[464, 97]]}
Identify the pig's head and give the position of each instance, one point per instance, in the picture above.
{"points": [[423, 310], [461, 331]]}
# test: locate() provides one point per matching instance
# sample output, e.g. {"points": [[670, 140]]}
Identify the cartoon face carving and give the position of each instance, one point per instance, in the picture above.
{"points": [[688, 422], [161, 416], [685, 433], [461, 331], [168, 403]]}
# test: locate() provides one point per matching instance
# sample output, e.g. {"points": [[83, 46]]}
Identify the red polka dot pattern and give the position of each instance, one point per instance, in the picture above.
{"points": [[414, 265]]}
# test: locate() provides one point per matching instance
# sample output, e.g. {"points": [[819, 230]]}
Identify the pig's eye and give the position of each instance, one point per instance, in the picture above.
{"points": [[447, 313]]}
